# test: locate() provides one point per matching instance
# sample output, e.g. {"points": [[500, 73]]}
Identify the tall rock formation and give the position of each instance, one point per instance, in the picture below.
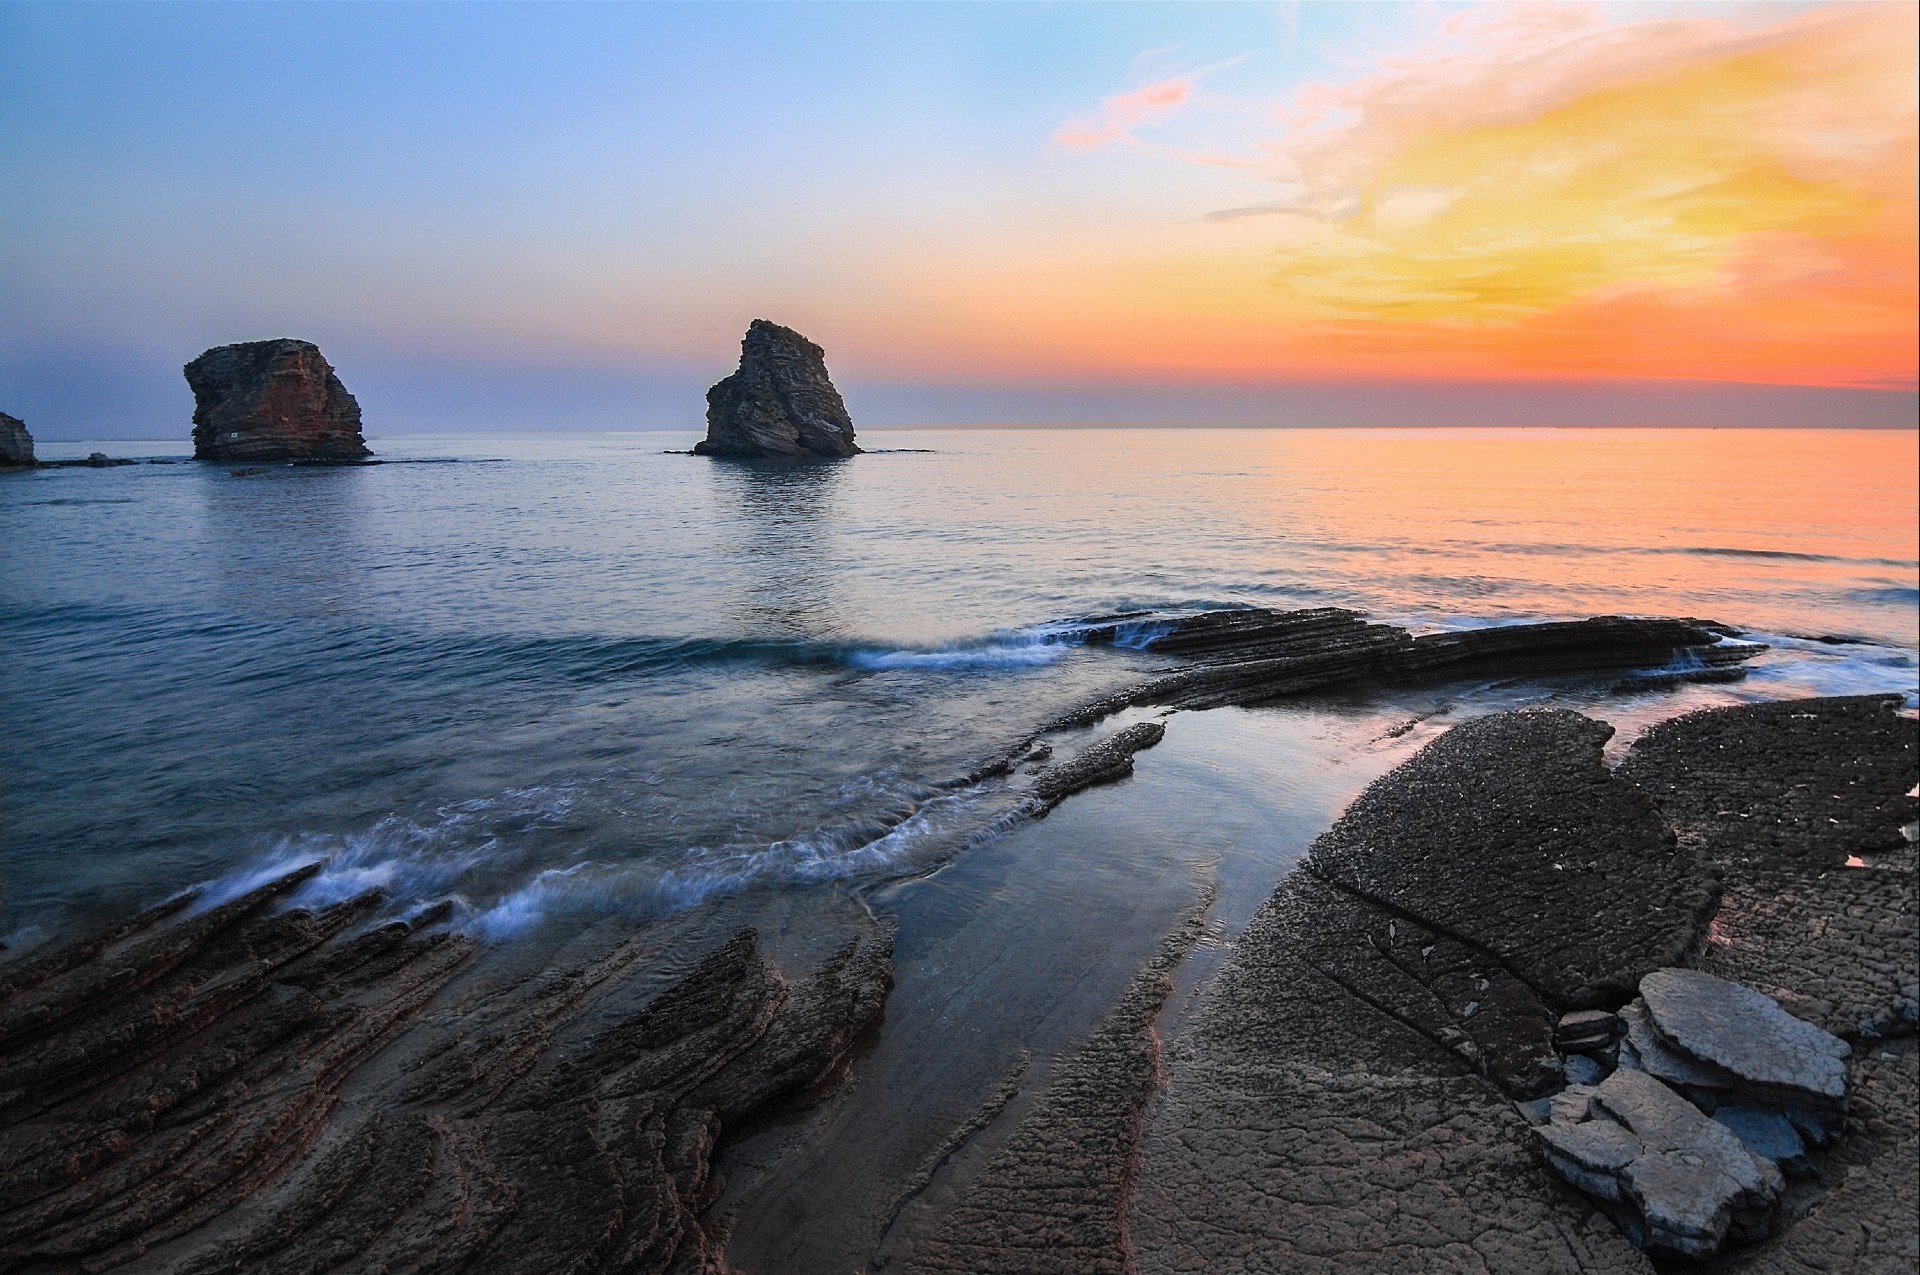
{"points": [[779, 403], [272, 400], [16, 445]]}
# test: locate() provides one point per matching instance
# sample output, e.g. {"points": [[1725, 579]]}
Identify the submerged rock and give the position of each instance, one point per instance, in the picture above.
{"points": [[16, 445], [780, 402], [272, 400]]}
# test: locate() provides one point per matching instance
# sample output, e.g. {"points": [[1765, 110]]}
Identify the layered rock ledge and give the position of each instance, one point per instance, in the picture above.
{"points": [[780, 402], [276, 400], [257, 1088]]}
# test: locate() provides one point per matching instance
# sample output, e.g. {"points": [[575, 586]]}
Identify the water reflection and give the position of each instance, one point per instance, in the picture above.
{"points": [[283, 541], [780, 540]]}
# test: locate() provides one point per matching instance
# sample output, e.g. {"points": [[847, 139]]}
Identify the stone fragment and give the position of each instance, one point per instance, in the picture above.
{"points": [[1583, 1069], [272, 400], [1587, 1031], [1676, 1181], [1644, 1050], [780, 402], [1768, 1134], [1746, 1033], [16, 444]]}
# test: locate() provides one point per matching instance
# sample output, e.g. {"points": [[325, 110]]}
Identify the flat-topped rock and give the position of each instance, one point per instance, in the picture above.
{"points": [[1509, 832], [780, 402], [1675, 1180], [16, 444], [272, 400]]}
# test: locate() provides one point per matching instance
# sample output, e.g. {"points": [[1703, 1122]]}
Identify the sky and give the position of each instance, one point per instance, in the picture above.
{"points": [[562, 217]]}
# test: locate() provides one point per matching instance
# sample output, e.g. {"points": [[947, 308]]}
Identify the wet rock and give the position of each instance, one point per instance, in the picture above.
{"points": [[1587, 1031], [272, 400], [780, 402], [1053, 1199], [246, 1088], [1677, 1181], [1257, 656], [1102, 762], [16, 444]]}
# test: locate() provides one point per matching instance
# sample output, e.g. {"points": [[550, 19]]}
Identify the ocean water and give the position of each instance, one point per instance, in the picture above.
{"points": [[570, 677]]}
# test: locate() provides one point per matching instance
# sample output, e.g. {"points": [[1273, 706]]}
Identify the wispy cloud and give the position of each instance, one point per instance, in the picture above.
{"points": [[1120, 114], [1685, 196]]}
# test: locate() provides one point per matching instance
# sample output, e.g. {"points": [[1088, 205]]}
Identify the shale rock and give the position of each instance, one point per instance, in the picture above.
{"points": [[1258, 656], [779, 403], [263, 1087], [1765, 1051], [16, 444], [1510, 833], [272, 400], [1675, 1181], [1102, 762]]}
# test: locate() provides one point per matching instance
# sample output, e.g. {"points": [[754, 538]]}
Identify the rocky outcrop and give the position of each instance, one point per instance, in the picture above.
{"points": [[272, 400], [1258, 656], [16, 445], [262, 1087], [1099, 763], [1328, 1106], [779, 403]]}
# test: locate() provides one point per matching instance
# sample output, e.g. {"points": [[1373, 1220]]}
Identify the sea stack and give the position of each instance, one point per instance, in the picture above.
{"points": [[16, 445], [272, 400], [779, 403]]}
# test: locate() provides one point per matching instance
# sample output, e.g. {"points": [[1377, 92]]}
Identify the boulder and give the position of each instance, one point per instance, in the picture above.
{"points": [[779, 403], [16, 445], [272, 400]]}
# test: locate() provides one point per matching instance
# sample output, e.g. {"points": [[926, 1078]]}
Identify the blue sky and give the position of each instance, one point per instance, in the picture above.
{"points": [[541, 216]]}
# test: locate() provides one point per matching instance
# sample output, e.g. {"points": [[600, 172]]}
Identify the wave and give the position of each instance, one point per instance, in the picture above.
{"points": [[485, 858]]}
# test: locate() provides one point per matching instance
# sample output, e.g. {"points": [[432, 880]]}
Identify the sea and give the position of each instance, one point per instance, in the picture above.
{"points": [[556, 677]]}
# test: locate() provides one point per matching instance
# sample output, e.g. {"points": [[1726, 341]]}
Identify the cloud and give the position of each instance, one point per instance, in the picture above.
{"points": [[1548, 190], [1118, 115]]}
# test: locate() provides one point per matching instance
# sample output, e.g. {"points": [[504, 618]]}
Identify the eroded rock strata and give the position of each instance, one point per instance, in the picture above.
{"points": [[272, 400], [780, 401], [248, 1088], [16, 444], [1257, 656]]}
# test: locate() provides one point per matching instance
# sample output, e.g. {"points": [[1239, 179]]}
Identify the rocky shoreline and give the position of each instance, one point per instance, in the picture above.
{"points": [[248, 1087]]}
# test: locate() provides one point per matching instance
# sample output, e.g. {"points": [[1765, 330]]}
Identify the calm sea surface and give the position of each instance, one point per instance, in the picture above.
{"points": [[574, 675]]}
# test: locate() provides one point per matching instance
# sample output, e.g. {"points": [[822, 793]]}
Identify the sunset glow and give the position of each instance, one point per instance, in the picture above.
{"points": [[970, 206]]}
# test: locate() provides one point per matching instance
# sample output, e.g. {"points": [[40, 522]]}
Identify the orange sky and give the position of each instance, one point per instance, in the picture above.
{"points": [[1541, 194]]}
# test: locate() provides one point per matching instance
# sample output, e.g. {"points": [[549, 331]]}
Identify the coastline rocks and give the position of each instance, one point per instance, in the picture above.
{"points": [[1253, 656], [780, 402], [1765, 1054], [272, 400], [16, 444], [1673, 1179], [1098, 763]]}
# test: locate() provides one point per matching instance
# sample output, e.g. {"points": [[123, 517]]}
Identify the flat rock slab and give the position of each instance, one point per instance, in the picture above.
{"points": [[1746, 1034], [1303, 1129], [1510, 832], [1677, 1181]]}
